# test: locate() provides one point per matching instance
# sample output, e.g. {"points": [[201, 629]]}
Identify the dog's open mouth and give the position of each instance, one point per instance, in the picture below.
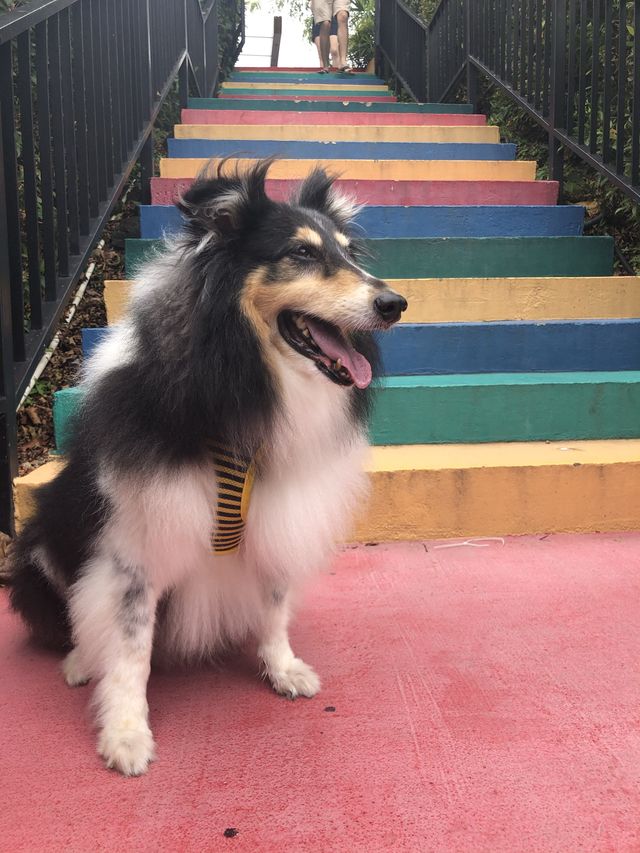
{"points": [[327, 346]]}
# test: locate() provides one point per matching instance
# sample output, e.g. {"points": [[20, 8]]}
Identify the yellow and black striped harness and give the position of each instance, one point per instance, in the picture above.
{"points": [[235, 475]]}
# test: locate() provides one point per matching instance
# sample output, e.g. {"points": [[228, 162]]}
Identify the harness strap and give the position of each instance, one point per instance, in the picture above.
{"points": [[235, 479]]}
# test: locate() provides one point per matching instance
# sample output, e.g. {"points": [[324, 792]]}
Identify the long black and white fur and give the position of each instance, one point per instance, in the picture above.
{"points": [[117, 562]]}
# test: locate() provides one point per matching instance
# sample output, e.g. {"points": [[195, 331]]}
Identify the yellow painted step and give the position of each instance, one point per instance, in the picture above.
{"points": [[369, 170], [451, 491], [343, 85], [348, 133], [475, 300]]}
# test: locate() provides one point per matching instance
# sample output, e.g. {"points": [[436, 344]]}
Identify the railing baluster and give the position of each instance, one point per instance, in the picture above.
{"points": [[98, 99], [93, 171], [12, 201], [46, 165], [595, 76], [71, 166], [582, 73], [28, 158], [57, 131], [79, 106], [607, 96], [539, 55], [635, 119], [622, 86], [571, 67]]}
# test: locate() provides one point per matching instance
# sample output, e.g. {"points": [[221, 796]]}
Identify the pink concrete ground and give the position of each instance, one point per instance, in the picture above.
{"points": [[474, 699]]}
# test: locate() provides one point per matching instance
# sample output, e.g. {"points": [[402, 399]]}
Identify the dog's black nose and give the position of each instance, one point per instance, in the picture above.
{"points": [[390, 306]]}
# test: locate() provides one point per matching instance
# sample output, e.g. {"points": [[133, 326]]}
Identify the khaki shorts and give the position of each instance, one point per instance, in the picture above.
{"points": [[324, 10]]}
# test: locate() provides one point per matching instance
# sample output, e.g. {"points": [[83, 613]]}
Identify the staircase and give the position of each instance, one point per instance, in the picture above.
{"points": [[510, 401]]}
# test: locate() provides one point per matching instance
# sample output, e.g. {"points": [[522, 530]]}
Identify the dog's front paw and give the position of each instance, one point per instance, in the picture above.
{"points": [[128, 750], [73, 670], [297, 679]]}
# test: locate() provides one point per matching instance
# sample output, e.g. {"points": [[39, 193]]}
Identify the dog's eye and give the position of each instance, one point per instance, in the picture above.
{"points": [[303, 252]]}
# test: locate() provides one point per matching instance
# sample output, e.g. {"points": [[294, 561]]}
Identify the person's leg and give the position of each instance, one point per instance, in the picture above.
{"points": [[333, 50], [325, 26], [342, 17], [316, 41]]}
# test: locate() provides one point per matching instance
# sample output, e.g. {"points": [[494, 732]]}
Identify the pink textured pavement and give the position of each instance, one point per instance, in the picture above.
{"points": [[486, 699]]}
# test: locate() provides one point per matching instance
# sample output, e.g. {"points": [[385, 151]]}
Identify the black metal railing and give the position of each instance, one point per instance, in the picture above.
{"points": [[573, 65], [81, 83]]}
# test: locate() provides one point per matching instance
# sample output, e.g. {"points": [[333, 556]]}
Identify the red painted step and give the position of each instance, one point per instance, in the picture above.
{"points": [[280, 117], [480, 699], [349, 98], [166, 190]]}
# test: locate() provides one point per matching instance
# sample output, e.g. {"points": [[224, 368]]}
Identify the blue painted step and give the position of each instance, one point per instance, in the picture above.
{"points": [[507, 347], [428, 221], [341, 150]]}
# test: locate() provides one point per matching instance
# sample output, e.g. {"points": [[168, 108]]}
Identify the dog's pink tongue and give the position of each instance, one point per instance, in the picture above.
{"points": [[337, 347]]}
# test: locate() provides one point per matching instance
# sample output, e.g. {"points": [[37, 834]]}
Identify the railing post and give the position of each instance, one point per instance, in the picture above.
{"points": [[183, 73], [557, 106], [472, 71], [8, 427]]}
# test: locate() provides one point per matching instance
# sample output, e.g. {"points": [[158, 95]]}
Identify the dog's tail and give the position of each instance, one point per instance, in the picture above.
{"points": [[34, 598]]}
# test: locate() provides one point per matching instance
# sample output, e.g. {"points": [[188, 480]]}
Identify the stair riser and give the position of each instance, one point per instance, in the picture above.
{"points": [[434, 221], [348, 133], [474, 413], [205, 148], [345, 117], [460, 257], [341, 106], [369, 170], [342, 89], [443, 504], [486, 300], [405, 193], [299, 77], [415, 349], [307, 95]]}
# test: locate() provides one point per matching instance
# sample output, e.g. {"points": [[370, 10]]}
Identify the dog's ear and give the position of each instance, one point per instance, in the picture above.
{"points": [[225, 204], [318, 193]]}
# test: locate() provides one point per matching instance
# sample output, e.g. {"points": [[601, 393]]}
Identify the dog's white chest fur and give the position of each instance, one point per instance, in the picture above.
{"points": [[302, 503]]}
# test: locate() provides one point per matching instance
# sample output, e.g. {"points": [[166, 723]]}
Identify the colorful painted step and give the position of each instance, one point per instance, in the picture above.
{"points": [[298, 97], [464, 490], [476, 408], [462, 257], [178, 148], [336, 88], [341, 106], [345, 116], [432, 221], [405, 193], [369, 170], [472, 300], [347, 133], [417, 349], [300, 77]]}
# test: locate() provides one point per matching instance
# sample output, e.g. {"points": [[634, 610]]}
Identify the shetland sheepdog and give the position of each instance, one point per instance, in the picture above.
{"points": [[217, 457]]}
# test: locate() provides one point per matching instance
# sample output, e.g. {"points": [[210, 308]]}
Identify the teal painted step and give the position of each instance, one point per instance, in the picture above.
{"points": [[506, 407], [462, 257], [475, 409], [418, 222], [327, 106], [255, 148], [298, 92]]}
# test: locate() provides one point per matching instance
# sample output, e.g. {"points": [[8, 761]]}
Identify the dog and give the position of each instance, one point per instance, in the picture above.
{"points": [[217, 457]]}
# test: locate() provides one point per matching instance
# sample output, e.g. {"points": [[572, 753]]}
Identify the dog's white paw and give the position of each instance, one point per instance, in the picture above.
{"points": [[297, 679], [73, 670], [128, 750]]}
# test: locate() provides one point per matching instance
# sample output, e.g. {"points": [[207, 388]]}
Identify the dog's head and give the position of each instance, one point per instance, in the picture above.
{"points": [[296, 276]]}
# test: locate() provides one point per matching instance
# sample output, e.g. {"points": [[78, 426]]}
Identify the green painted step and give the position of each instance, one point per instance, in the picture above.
{"points": [[475, 408], [326, 106], [506, 407], [463, 257]]}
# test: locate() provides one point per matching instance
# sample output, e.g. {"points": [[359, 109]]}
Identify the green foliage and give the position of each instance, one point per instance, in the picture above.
{"points": [[361, 32], [424, 9]]}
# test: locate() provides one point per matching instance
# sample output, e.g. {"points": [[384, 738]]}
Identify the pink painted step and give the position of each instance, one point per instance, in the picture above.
{"points": [[473, 699], [280, 117], [166, 190], [349, 98]]}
